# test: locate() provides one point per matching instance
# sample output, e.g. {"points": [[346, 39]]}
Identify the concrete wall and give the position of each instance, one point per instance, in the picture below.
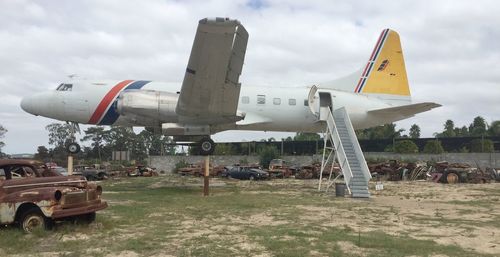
{"points": [[167, 163]]}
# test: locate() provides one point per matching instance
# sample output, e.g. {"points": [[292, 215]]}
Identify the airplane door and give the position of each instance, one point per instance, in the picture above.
{"points": [[325, 104], [312, 101], [319, 108]]}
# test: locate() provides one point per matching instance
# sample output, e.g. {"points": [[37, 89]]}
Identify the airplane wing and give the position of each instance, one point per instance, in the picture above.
{"points": [[405, 110], [211, 88]]}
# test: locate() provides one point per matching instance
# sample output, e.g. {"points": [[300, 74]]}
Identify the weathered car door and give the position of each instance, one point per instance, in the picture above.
{"points": [[245, 173], [239, 173], [233, 171]]}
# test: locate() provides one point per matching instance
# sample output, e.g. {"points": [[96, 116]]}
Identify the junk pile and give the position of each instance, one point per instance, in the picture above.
{"points": [[451, 173], [440, 172], [197, 170], [312, 171], [278, 168], [394, 170], [142, 171]]}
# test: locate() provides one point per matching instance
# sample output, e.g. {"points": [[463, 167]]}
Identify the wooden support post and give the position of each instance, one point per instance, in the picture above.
{"points": [[70, 165], [206, 176]]}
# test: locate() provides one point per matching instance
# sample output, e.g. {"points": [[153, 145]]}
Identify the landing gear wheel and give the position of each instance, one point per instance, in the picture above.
{"points": [[73, 148], [207, 146]]}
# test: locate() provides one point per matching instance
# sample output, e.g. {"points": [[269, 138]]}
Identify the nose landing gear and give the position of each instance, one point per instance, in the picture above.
{"points": [[73, 148]]}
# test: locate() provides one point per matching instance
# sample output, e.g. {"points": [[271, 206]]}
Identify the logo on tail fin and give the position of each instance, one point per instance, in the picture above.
{"points": [[383, 65]]}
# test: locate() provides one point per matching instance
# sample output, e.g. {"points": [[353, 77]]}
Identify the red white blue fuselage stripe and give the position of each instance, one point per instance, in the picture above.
{"points": [[105, 113], [373, 57]]}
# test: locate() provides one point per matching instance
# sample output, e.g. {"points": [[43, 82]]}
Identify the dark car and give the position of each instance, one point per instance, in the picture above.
{"points": [[246, 173], [90, 172]]}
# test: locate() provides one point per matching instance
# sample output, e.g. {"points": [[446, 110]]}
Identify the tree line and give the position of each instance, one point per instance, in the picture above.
{"points": [[103, 141], [100, 142], [477, 128]]}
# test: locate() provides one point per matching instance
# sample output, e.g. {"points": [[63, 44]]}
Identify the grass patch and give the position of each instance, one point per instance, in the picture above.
{"points": [[169, 216]]}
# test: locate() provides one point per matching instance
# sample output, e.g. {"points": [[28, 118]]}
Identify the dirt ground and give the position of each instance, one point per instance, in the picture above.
{"points": [[168, 216], [467, 215]]}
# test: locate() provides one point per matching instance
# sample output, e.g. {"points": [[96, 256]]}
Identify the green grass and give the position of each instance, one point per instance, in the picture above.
{"points": [[172, 217]]}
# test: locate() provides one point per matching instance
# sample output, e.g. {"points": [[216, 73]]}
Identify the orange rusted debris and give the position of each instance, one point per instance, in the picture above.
{"points": [[33, 196]]}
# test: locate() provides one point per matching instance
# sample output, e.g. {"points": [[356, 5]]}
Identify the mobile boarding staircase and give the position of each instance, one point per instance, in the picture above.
{"points": [[341, 144]]}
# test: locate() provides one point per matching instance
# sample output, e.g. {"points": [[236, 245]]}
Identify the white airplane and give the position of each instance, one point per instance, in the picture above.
{"points": [[211, 98]]}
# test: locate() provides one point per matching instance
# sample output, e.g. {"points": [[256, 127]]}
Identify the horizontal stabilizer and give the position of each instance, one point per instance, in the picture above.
{"points": [[404, 110]]}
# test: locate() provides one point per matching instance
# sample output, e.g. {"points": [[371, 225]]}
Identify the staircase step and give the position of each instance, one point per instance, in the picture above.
{"points": [[358, 184]]}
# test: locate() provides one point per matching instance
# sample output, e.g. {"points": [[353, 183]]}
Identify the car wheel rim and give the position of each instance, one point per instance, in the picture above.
{"points": [[32, 223]]}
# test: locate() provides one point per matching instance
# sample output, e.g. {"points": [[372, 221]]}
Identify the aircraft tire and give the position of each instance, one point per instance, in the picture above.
{"points": [[73, 148], [207, 146]]}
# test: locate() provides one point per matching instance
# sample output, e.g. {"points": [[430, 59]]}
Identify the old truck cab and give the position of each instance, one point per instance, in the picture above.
{"points": [[34, 197]]}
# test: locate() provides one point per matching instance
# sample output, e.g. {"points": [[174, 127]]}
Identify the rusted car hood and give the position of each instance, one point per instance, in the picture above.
{"points": [[8, 186]]}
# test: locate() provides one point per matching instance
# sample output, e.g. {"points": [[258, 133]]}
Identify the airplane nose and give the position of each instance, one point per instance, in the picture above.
{"points": [[27, 105]]}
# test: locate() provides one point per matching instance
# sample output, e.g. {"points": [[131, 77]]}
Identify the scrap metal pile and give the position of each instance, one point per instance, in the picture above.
{"points": [[313, 171], [444, 172], [392, 170], [197, 170], [440, 172]]}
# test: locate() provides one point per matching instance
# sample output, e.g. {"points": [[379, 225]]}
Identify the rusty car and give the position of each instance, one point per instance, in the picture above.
{"points": [[279, 168], [32, 196]]}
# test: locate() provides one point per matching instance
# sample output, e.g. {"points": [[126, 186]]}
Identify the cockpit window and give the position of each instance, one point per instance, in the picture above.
{"points": [[65, 87]]}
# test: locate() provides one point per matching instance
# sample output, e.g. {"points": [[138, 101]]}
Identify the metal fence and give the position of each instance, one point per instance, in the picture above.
{"points": [[450, 144]]}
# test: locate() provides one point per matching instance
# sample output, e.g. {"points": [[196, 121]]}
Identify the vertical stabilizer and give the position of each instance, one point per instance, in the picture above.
{"points": [[385, 72]]}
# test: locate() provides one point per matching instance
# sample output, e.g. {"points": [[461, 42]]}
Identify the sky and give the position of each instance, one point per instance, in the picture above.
{"points": [[451, 49]]}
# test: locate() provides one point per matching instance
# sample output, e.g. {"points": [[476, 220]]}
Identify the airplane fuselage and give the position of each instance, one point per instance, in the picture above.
{"points": [[265, 108]]}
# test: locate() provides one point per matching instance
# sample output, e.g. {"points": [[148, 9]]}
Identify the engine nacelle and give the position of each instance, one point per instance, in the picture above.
{"points": [[156, 105]]}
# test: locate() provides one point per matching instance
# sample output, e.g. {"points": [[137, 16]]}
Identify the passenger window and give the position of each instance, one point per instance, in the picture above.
{"points": [[306, 103], [277, 101], [292, 101], [245, 99], [261, 99]]}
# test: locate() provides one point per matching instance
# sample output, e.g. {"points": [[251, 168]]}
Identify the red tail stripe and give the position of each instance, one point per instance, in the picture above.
{"points": [[376, 45], [106, 101], [359, 83]]}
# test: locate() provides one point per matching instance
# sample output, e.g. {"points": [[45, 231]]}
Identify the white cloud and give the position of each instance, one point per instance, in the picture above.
{"points": [[451, 49]]}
